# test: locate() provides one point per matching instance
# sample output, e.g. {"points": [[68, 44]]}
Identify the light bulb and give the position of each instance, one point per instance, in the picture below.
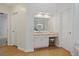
{"points": [[46, 15], [39, 15]]}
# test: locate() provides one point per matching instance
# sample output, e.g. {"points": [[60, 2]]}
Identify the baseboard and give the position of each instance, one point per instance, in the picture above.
{"points": [[29, 50], [26, 50], [72, 54]]}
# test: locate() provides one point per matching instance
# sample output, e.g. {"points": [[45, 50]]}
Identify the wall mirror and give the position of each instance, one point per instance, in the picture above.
{"points": [[41, 22]]}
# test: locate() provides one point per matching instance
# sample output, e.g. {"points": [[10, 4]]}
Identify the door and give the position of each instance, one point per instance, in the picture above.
{"points": [[18, 28], [14, 29], [67, 29]]}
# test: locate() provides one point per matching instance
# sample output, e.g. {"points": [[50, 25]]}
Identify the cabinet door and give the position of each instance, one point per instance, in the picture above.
{"points": [[40, 42]]}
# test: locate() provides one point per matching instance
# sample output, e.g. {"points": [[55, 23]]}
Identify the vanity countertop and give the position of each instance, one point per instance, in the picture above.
{"points": [[52, 34]]}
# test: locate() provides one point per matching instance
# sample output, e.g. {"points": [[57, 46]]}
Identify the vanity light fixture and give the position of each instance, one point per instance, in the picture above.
{"points": [[42, 15], [39, 15], [46, 15]]}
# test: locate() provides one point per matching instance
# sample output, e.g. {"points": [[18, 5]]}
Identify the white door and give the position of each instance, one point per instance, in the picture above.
{"points": [[14, 29], [18, 28], [67, 29]]}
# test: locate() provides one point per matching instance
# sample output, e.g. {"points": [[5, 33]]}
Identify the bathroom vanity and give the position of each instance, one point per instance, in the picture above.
{"points": [[41, 39], [41, 32]]}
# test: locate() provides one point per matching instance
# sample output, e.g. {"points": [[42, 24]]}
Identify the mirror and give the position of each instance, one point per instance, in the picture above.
{"points": [[39, 27], [41, 22]]}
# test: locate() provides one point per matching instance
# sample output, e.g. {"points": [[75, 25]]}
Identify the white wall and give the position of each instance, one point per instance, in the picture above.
{"points": [[75, 26], [4, 9], [54, 23], [57, 16], [74, 15], [21, 30], [67, 42], [62, 22]]}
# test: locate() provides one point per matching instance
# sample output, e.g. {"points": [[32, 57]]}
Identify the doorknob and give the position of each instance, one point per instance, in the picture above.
{"points": [[69, 32]]}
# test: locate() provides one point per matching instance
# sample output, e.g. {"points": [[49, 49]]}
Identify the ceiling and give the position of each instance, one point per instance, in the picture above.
{"points": [[50, 8], [35, 8]]}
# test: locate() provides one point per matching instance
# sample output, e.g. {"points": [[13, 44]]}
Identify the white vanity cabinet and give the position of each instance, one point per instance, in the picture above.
{"points": [[41, 41]]}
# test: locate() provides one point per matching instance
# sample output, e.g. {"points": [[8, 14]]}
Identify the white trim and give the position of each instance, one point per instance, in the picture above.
{"points": [[26, 50]]}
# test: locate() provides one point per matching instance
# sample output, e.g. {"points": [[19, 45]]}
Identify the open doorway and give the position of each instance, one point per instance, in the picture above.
{"points": [[3, 29]]}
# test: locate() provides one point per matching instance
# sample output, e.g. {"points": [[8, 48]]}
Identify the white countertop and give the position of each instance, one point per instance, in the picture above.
{"points": [[52, 34]]}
